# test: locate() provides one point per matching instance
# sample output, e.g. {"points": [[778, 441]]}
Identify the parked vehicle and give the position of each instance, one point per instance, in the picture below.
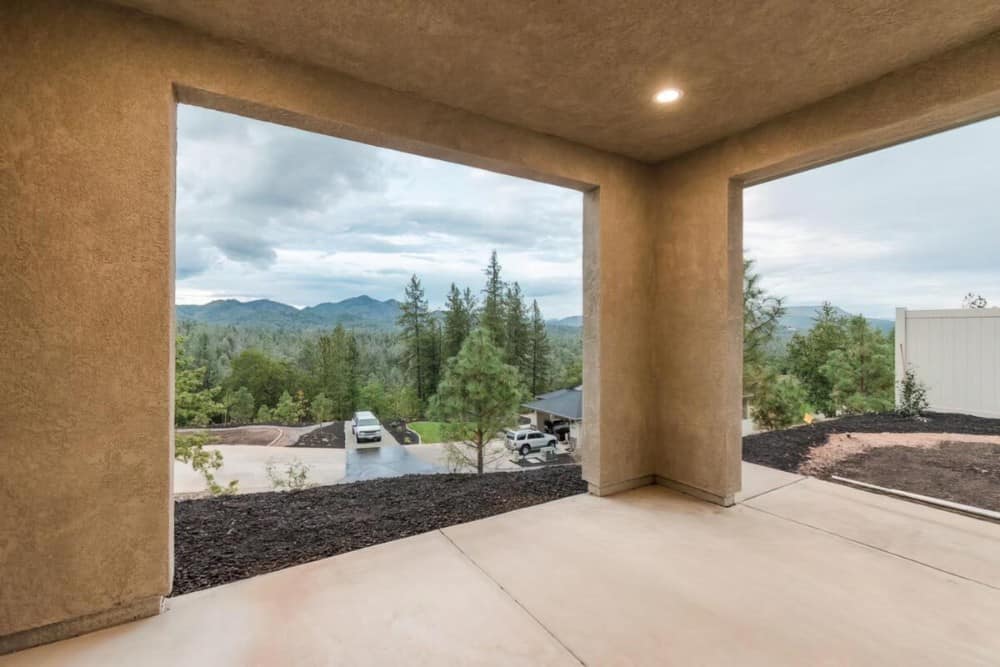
{"points": [[559, 428], [527, 440], [366, 427]]}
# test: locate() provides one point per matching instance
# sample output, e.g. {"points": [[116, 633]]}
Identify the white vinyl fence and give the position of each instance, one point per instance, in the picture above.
{"points": [[956, 354]]}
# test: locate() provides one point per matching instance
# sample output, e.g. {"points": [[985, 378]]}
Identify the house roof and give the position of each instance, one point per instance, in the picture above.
{"points": [[565, 403], [587, 71]]}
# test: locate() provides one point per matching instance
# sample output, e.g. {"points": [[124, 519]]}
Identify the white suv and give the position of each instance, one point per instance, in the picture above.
{"points": [[366, 427], [527, 440]]}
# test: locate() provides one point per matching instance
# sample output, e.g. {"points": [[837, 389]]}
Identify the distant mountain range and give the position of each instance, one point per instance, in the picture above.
{"points": [[359, 312], [356, 312], [364, 312], [802, 318]]}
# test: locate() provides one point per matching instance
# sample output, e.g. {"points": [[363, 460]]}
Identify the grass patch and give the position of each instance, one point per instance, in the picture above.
{"points": [[428, 431]]}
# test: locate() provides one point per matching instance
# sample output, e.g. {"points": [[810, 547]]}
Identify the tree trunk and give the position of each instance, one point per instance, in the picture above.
{"points": [[479, 455]]}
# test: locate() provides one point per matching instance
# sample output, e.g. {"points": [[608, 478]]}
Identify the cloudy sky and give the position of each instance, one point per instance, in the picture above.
{"points": [[915, 225], [265, 211], [269, 212]]}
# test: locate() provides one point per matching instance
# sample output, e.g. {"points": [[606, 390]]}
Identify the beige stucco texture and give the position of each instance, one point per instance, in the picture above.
{"points": [[87, 122], [86, 275]]}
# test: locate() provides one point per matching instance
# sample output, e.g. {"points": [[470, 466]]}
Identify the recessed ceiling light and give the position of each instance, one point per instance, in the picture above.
{"points": [[668, 96]]}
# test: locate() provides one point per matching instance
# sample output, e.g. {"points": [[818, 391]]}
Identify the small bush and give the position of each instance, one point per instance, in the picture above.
{"points": [[190, 448], [912, 394], [781, 401], [293, 476]]}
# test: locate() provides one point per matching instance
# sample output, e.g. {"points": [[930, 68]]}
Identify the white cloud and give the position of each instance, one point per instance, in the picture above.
{"points": [[915, 225], [265, 211]]}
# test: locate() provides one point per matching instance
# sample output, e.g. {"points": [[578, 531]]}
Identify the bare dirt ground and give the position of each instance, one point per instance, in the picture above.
{"points": [[962, 472], [952, 457], [260, 435], [840, 446]]}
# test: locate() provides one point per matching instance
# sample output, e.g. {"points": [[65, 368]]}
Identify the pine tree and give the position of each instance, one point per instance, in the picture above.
{"points": [[808, 352], [457, 322], [539, 349], [861, 374], [471, 307], [761, 317], [478, 397], [491, 317], [414, 322], [338, 365], [516, 330]]}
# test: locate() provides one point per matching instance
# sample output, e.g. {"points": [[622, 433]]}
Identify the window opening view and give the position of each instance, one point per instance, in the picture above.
{"points": [[370, 344], [871, 327]]}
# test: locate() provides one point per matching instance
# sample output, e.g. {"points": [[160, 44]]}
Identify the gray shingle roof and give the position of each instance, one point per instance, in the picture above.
{"points": [[565, 403]]}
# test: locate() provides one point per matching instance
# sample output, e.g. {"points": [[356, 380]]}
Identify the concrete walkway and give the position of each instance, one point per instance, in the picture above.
{"points": [[803, 572], [248, 465]]}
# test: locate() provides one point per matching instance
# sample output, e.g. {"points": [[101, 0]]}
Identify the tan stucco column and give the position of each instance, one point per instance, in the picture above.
{"points": [[86, 283]]}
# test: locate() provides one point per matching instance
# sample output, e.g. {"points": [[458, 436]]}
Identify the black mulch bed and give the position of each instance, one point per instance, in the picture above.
{"points": [[403, 435], [331, 436], [224, 539], [787, 449]]}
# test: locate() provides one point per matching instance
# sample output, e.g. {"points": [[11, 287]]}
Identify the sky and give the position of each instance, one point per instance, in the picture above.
{"points": [[269, 212], [916, 225]]}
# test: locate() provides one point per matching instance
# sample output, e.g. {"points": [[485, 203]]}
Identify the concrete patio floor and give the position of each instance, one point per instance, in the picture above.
{"points": [[801, 572]]}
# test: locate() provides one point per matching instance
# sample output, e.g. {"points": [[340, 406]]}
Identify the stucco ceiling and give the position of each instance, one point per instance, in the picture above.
{"points": [[587, 70]]}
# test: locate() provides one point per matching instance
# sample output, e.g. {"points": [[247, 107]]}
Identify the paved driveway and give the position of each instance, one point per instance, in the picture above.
{"points": [[371, 460], [248, 465]]}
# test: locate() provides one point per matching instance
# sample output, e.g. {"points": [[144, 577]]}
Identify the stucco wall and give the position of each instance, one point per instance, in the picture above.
{"points": [[86, 273], [86, 178], [698, 246]]}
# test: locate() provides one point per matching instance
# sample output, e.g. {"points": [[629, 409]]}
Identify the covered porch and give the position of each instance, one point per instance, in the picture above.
{"points": [[799, 570], [708, 562]]}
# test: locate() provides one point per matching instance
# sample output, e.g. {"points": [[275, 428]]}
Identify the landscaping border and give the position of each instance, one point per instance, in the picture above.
{"points": [[787, 449]]}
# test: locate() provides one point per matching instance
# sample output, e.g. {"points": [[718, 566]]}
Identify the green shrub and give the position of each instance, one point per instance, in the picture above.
{"points": [[912, 394], [190, 448], [295, 475], [781, 401]]}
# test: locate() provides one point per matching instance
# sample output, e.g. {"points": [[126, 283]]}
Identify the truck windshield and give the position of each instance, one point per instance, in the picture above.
{"points": [[367, 422]]}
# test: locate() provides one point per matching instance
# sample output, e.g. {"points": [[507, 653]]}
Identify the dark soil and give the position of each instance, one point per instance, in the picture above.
{"points": [[331, 436], [787, 449], [244, 436], [402, 434], [963, 472], [224, 539]]}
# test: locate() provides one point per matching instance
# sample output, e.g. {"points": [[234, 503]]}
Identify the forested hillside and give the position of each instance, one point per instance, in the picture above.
{"points": [[266, 361]]}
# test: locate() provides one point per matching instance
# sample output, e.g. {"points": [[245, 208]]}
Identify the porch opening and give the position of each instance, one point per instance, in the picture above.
{"points": [[872, 332], [367, 341]]}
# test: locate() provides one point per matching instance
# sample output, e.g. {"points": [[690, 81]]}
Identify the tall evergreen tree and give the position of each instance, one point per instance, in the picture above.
{"points": [[537, 375], [808, 352], [516, 329], [491, 317], [761, 316], [471, 307], [478, 397], [457, 322], [414, 322], [338, 370], [861, 374]]}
